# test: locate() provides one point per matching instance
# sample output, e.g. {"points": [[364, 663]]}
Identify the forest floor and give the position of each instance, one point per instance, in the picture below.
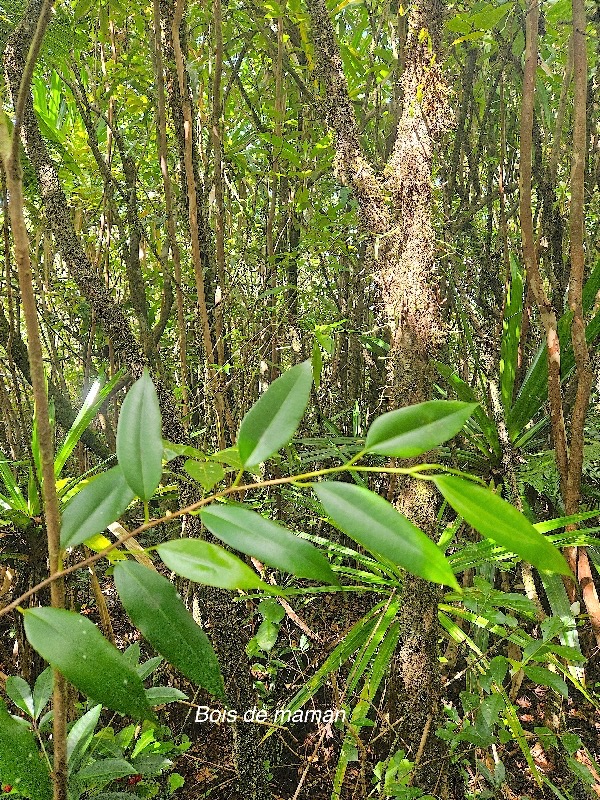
{"points": [[308, 754], [305, 755]]}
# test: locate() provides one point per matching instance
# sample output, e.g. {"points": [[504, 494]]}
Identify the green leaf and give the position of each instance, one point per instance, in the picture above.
{"points": [[247, 531], [317, 365], [273, 419], [151, 764], [100, 503], [105, 770], [153, 606], [355, 638], [490, 16], [229, 456], [161, 695], [271, 610], [80, 737], [571, 742], [171, 451], [15, 496], [498, 520], [546, 678], [207, 563], [74, 646], [413, 430], [42, 691], [465, 393], [94, 399], [266, 635], [19, 692], [560, 605], [148, 667], [176, 781], [582, 772], [533, 392], [376, 525], [206, 473], [82, 8], [139, 440], [21, 764], [358, 670]]}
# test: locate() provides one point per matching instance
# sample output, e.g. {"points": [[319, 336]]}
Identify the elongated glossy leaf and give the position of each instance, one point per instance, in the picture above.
{"points": [[74, 645], [498, 520], [154, 607], [560, 605], [21, 764], [19, 692], [42, 691], [533, 392], [465, 393], [413, 430], [272, 421], [207, 563], [80, 736], [271, 543], [161, 695], [139, 440], [15, 496], [95, 507], [378, 671], [206, 473], [376, 525]]}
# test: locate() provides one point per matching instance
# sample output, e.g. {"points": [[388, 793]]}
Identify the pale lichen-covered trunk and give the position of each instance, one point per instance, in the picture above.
{"points": [[409, 294], [403, 265]]}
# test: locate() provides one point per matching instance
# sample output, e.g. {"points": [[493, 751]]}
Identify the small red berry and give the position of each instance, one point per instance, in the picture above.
{"points": [[134, 779], [7, 788]]}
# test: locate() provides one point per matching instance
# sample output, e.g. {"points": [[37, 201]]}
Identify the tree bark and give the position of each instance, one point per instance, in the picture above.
{"points": [[403, 265]]}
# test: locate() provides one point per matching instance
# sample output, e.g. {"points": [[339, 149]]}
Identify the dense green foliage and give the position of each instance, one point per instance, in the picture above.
{"points": [[263, 474]]}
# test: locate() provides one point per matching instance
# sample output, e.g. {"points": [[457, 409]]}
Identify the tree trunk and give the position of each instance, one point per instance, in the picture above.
{"points": [[402, 248]]}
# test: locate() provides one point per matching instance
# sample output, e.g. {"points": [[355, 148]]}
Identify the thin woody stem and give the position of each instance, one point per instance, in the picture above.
{"points": [[411, 471]]}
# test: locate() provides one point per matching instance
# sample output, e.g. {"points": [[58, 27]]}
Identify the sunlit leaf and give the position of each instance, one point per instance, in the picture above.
{"points": [[95, 507], [139, 440], [498, 520], [273, 419], [411, 431], [376, 525], [207, 563]]}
